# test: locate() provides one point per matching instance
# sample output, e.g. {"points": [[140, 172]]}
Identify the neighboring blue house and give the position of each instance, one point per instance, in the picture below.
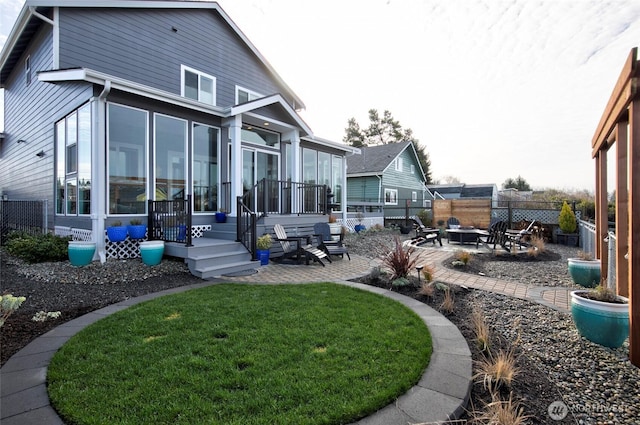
{"points": [[388, 175], [110, 104]]}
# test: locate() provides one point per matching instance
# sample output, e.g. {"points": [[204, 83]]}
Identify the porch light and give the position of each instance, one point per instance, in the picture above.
{"points": [[266, 123]]}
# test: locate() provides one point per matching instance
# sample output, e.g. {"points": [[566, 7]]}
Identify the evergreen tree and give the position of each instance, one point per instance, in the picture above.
{"points": [[384, 130]]}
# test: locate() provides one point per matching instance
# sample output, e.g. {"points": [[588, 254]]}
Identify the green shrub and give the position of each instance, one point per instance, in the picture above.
{"points": [[425, 217], [38, 248], [567, 219]]}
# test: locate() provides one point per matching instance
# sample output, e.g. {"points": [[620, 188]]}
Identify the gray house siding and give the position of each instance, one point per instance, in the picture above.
{"points": [[46, 103], [140, 45]]}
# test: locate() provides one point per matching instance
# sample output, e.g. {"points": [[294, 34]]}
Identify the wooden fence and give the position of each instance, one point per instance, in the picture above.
{"points": [[470, 212]]}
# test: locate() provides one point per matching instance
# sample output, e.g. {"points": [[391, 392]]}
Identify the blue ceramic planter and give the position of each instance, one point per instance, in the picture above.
{"points": [[600, 322], [117, 233], [263, 256], [137, 231], [221, 217], [81, 252], [585, 273], [151, 252], [359, 228]]}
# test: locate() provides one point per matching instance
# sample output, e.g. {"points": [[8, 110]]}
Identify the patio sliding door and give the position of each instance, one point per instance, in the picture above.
{"points": [[257, 165], [205, 173]]}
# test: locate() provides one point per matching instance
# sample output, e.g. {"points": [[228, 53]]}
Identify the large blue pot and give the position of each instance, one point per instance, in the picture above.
{"points": [[151, 252], [221, 217], [81, 252], [601, 322], [117, 233], [137, 231], [585, 273]]}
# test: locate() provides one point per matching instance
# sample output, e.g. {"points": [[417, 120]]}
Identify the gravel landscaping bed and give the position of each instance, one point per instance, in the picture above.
{"points": [[598, 384]]}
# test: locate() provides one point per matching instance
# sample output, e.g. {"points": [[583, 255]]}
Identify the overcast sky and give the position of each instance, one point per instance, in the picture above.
{"points": [[493, 89]]}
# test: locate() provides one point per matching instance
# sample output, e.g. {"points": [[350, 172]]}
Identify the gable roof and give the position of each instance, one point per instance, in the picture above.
{"points": [[35, 11], [374, 160]]}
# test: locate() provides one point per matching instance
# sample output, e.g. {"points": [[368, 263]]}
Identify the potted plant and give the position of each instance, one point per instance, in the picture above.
{"points": [[568, 225], [221, 216], [584, 270], [81, 252], [263, 245], [359, 227], [335, 227], [136, 229], [151, 252], [117, 232], [601, 316]]}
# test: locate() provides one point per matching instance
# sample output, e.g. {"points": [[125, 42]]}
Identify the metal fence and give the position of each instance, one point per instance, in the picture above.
{"points": [[23, 216]]}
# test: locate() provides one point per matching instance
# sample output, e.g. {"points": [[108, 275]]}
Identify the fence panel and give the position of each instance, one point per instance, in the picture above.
{"points": [[24, 216], [470, 212]]}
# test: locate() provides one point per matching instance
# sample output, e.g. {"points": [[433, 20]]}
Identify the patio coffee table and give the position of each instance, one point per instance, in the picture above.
{"points": [[465, 235]]}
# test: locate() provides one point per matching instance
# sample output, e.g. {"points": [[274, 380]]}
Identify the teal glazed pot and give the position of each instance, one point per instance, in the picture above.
{"points": [[81, 253], [601, 322], [585, 273], [151, 252]]}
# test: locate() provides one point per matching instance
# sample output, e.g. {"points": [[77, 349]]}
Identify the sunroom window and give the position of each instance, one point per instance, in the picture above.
{"points": [[198, 86], [73, 163]]}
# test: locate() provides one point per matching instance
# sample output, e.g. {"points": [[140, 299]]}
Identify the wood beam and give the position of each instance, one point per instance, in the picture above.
{"points": [[622, 210], [634, 231], [602, 210], [622, 93]]}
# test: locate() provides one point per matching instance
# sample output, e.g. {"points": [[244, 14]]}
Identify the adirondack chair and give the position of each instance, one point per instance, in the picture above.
{"points": [[497, 236], [322, 231], [453, 223], [425, 234], [298, 247]]}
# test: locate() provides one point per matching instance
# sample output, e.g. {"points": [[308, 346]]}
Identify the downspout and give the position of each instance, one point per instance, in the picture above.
{"points": [[98, 173]]}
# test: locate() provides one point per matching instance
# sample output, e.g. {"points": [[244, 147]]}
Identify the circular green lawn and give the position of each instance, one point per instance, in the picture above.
{"points": [[242, 354]]}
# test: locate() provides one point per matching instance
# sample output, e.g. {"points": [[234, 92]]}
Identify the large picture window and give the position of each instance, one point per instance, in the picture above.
{"points": [[73, 163], [170, 152], [205, 168], [127, 134]]}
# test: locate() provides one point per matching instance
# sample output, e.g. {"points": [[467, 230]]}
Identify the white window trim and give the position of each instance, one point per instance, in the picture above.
{"points": [[398, 164], [413, 169], [414, 196], [252, 94], [219, 146], [395, 193], [184, 68]]}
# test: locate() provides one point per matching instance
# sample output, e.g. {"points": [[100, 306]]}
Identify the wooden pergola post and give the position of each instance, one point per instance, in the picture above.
{"points": [[622, 109]]}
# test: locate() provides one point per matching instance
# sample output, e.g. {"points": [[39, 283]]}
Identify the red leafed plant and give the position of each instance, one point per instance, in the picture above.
{"points": [[399, 260]]}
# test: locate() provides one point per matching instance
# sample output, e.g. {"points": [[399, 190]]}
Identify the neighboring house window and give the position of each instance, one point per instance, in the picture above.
{"points": [[205, 168], [413, 169], [398, 164], [73, 163], [244, 95], [27, 70], [127, 136], [391, 197], [170, 142], [198, 86], [414, 196]]}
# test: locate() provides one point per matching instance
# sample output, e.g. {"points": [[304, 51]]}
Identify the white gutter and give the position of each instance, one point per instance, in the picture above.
{"points": [[33, 11]]}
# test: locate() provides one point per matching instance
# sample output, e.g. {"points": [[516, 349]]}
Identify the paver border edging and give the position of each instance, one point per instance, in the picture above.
{"points": [[442, 393]]}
